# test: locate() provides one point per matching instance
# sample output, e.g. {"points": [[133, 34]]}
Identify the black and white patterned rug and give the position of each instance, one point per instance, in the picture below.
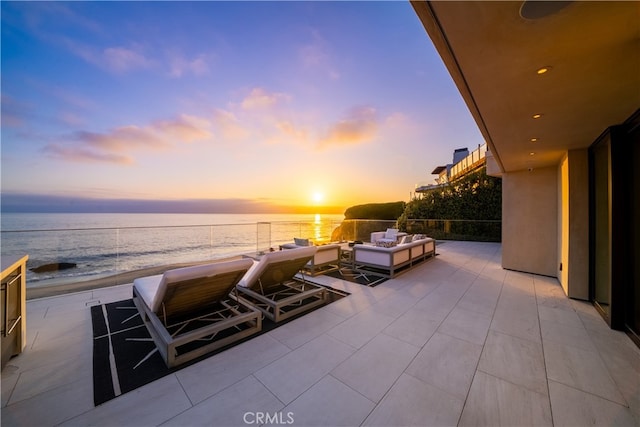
{"points": [[125, 356]]}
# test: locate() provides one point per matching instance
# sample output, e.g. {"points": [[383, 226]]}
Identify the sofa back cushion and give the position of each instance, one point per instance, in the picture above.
{"points": [[391, 233]]}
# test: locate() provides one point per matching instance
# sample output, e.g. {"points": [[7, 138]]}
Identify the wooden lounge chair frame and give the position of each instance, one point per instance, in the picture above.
{"points": [[198, 309], [276, 292]]}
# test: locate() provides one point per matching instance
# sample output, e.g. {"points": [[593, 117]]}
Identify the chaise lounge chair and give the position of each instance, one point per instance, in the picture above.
{"points": [[188, 312], [270, 285]]}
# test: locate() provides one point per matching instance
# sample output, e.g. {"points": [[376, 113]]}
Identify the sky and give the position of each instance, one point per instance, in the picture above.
{"points": [[221, 106]]}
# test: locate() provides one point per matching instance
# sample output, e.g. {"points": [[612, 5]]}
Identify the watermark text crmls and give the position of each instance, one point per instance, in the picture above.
{"points": [[278, 418]]}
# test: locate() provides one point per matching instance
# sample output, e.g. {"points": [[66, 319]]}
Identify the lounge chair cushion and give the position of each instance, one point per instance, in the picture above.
{"points": [[152, 289], [259, 267]]}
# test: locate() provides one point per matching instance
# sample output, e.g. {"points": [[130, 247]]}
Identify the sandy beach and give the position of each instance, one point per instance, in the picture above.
{"points": [[102, 282]]}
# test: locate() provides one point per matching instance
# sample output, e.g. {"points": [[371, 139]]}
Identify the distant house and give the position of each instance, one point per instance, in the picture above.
{"points": [[463, 163]]}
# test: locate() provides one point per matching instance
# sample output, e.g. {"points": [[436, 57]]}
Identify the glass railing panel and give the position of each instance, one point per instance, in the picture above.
{"points": [[64, 255], [449, 229]]}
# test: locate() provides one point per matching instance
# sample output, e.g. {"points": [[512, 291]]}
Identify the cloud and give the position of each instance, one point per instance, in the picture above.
{"points": [[179, 65], [122, 139], [259, 98], [84, 155], [13, 112], [316, 55], [228, 124], [359, 126], [290, 130], [121, 60], [185, 128], [69, 203], [115, 59], [116, 145]]}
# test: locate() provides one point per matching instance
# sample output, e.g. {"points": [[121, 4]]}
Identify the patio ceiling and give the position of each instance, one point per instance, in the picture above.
{"points": [[493, 55]]}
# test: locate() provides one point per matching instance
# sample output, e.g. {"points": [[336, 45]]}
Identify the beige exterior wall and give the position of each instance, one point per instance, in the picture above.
{"points": [[530, 221], [573, 224], [563, 224], [578, 261]]}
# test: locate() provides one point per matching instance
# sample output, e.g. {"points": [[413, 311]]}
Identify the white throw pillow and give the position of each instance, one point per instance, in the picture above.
{"points": [[301, 242]]}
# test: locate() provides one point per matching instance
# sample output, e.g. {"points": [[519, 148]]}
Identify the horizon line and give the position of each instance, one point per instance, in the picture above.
{"points": [[34, 203]]}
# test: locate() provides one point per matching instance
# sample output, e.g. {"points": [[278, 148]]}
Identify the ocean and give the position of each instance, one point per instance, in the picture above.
{"points": [[105, 244]]}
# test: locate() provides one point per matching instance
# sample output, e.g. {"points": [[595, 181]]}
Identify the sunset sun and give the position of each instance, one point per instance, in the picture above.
{"points": [[317, 197]]}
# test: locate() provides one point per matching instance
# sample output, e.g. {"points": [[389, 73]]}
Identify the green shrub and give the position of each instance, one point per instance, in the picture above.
{"points": [[386, 211], [475, 198]]}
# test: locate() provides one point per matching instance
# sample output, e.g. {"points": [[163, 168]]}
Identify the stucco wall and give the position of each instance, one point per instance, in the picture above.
{"points": [[530, 221], [563, 224], [578, 285]]}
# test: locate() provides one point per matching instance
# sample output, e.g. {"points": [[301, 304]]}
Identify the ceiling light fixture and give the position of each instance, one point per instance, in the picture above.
{"points": [[532, 153], [537, 116], [544, 69], [534, 139], [534, 9]]}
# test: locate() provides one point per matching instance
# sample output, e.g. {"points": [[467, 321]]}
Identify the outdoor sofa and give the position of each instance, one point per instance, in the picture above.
{"points": [[391, 235], [389, 261]]}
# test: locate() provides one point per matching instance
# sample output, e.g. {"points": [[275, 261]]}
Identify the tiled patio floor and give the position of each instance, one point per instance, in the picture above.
{"points": [[456, 341]]}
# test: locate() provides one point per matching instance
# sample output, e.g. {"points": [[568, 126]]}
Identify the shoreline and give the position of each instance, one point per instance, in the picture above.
{"points": [[112, 280]]}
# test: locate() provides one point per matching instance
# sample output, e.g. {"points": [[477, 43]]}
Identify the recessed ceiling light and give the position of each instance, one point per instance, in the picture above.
{"points": [[544, 69], [532, 153], [537, 116], [534, 139], [533, 9]]}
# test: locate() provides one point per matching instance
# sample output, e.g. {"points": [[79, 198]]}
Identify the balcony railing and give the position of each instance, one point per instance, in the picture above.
{"points": [[107, 253], [79, 254], [473, 160]]}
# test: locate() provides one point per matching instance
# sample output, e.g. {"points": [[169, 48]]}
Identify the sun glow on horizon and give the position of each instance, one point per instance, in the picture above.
{"points": [[317, 197]]}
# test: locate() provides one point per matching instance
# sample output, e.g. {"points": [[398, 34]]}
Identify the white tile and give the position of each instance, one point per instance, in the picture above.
{"points": [[466, 325], [581, 369], [439, 303], [482, 296], [236, 405], [568, 335], [516, 360], [573, 407], [305, 328], [51, 407], [493, 402], [395, 304], [622, 359], [516, 322], [215, 373], [447, 363], [414, 327], [419, 289], [328, 403], [351, 305], [560, 315], [411, 402], [374, 368], [291, 375], [48, 377], [151, 404], [361, 328], [10, 375]]}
